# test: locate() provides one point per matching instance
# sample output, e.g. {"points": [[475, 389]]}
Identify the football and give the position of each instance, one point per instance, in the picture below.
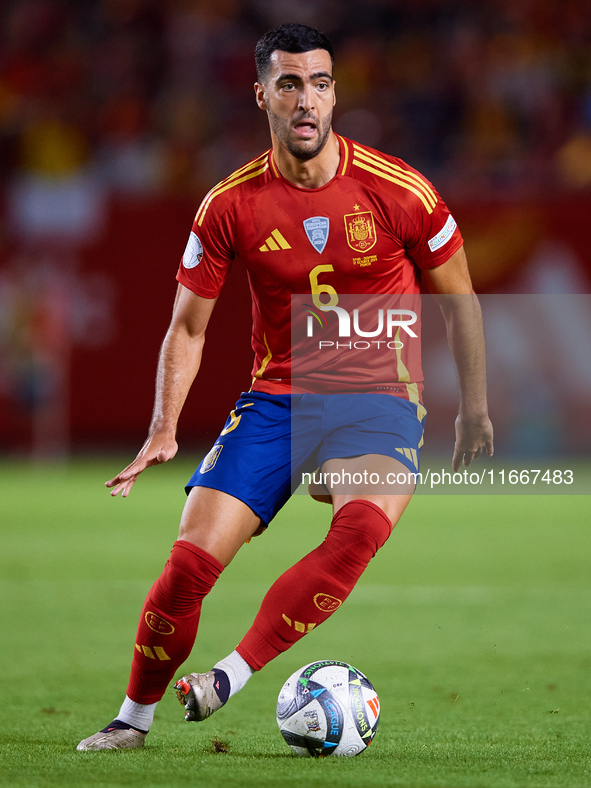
{"points": [[328, 708]]}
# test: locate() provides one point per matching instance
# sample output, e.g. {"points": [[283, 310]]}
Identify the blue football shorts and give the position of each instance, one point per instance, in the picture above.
{"points": [[269, 440]]}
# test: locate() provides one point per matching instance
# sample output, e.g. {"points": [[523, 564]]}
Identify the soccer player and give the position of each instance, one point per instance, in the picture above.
{"points": [[315, 214]]}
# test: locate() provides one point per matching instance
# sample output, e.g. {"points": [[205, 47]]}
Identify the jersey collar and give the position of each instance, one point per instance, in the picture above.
{"points": [[344, 164]]}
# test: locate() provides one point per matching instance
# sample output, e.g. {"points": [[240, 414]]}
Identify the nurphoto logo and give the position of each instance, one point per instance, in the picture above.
{"points": [[388, 325]]}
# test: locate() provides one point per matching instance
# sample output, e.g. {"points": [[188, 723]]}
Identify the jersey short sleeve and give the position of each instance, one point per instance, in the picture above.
{"points": [[208, 254], [432, 235]]}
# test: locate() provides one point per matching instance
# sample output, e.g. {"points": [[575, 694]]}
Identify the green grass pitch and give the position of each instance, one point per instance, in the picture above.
{"points": [[473, 623]]}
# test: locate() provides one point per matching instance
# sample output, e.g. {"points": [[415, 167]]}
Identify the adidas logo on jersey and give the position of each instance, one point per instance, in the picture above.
{"points": [[274, 243]]}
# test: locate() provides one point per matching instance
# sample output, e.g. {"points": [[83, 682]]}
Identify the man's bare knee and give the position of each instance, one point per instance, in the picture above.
{"points": [[217, 523]]}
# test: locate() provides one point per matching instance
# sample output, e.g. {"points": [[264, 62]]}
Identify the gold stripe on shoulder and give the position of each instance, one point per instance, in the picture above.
{"points": [[372, 155], [395, 180], [220, 189], [236, 174], [345, 156], [204, 200], [399, 172], [248, 166], [395, 169], [245, 167]]}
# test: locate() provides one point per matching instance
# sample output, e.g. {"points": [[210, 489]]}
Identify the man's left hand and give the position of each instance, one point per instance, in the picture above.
{"points": [[473, 436]]}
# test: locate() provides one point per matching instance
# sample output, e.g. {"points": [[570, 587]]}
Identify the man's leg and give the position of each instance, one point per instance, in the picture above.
{"points": [[213, 527], [309, 592]]}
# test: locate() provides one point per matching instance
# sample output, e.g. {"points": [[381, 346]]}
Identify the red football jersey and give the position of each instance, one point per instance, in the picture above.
{"points": [[369, 231]]}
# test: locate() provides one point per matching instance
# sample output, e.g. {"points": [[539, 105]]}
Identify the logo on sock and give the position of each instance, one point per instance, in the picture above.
{"points": [[153, 652], [327, 603], [298, 625], [158, 624]]}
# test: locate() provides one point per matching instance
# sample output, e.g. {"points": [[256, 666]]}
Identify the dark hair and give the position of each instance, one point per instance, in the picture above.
{"points": [[290, 37]]}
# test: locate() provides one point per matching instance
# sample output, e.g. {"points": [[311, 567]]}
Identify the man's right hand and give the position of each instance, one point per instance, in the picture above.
{"points": [[157, 449]]}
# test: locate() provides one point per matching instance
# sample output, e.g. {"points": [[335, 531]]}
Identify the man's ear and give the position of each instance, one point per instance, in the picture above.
{"points": [[334, 95], [259, 92]]}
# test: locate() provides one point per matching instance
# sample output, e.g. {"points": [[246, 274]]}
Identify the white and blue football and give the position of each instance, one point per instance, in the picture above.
{"points": [[328, 708]]}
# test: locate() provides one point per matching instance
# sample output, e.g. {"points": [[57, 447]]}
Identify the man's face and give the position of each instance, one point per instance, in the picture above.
{"points": [[298, 96]]}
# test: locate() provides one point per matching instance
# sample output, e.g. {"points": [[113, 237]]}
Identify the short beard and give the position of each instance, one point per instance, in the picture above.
{"points": [[295, 148]]}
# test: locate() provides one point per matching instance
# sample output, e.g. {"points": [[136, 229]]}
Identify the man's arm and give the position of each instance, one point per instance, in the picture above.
{"points": [[178, 363], [451, 285]]}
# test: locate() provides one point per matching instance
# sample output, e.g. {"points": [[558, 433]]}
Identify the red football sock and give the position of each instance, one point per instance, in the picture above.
{"points": [[169, 620], [309, 592]]}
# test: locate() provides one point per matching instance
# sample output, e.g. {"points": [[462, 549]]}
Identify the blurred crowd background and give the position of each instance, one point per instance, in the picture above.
{"points": [[150, 96], [116, 116]]}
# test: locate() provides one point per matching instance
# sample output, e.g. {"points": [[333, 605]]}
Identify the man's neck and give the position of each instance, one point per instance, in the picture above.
{"points": [[310, 173]]}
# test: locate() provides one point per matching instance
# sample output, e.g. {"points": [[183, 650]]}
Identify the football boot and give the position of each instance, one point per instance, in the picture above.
{"points": [[197, 693], [114, 737]]}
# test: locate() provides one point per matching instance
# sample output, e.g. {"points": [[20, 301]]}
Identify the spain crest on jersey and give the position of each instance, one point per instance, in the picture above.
{"points": [[361, 230]]}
